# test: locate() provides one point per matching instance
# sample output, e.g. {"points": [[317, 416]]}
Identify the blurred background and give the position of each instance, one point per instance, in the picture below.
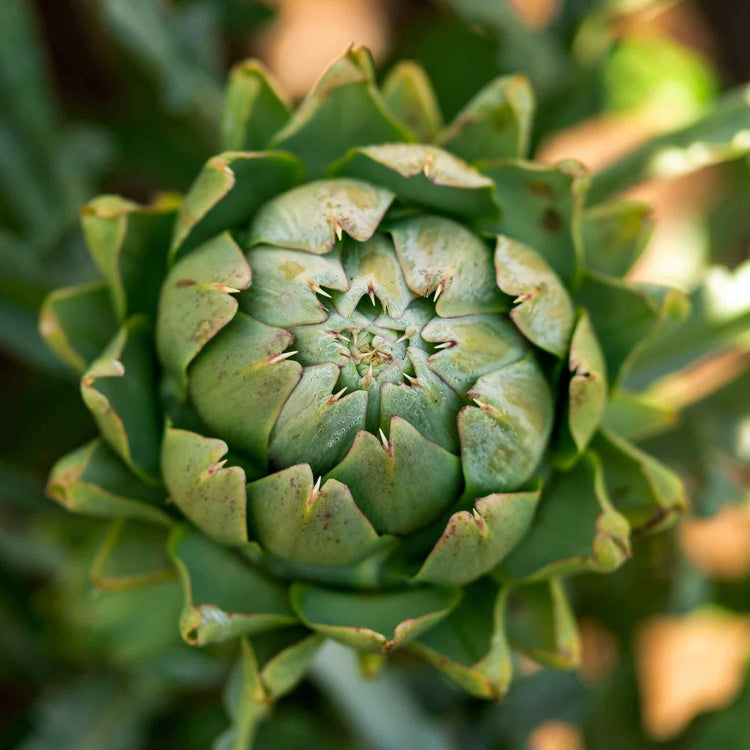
{"points": [[125, 96]]}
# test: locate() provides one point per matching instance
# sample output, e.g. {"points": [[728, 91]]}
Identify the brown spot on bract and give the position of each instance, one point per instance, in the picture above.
{"points": [[551, 221], [182, 283], [541, 188]]}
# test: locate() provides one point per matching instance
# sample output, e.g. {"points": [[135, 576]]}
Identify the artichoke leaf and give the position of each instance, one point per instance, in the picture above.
{"points": [[254, 107], [409, 96], [628, 316], [223, 595], [129, 244], [496, 123], [211, 495], [93, 481], [441, 257], [635, 416], [540, 623], [385, 483], [132, 554], [644, 490], [344, 101], [469, 646], [269, 666], [615, 234], [372, 621], [587, 392], [475, 541], [119, 390], [296, 519], [286, 284], [542, 207], [196, 302], [77, 323], [314, 425], [313, 216], [543, 309], [470, 347], [240, 382], [229, 189], [504, 436], [426, 402], [373, 268], [575, 528], [425, 175]]}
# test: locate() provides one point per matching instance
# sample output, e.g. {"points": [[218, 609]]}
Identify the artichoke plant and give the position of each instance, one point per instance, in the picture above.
{"points": [[364, 383]]}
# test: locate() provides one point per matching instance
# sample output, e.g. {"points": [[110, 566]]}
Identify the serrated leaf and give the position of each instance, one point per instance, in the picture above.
{"points": [[376, 621], [645, 491], [93, 481], [229, 189], [313, 216], [129, 243], [400, 484], [626, 315], [505, 434], [244, 402], [254, 108], [475, 541], [425, 175], [119, 389], [132, 554], [575, 528], [77, 323], [495, 124], [615, 234], [408, 93], [296, 519], [211, 496], [346, 87], [540, 623], [542, 207], [196, 302], [224, 596], [470, 646], [543, 309]]}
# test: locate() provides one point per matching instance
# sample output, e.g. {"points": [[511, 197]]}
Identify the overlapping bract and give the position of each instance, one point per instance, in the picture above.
{"points": [[364, 387]]}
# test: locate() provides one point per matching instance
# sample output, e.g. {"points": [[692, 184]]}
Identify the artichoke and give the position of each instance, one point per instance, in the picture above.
{"points": [[364, 383]]}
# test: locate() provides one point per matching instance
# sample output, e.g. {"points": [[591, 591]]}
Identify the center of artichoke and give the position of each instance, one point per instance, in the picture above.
{"points": [[372, 348]]}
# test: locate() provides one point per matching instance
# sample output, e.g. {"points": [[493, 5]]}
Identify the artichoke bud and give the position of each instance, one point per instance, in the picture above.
{"points": [[386, 365]]}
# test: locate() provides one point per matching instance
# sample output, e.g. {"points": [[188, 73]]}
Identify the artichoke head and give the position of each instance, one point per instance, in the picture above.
{"points": [[361, 376]]}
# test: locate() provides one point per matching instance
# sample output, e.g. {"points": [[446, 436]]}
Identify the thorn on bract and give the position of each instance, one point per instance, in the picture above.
{"points": [[369, 377], [337, 228], [481, 404], [317, 289], [383, 438], [223, 288], [280, 357]]}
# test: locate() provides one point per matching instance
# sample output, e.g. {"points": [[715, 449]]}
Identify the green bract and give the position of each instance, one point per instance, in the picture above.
{"points": [[358, 381]]}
